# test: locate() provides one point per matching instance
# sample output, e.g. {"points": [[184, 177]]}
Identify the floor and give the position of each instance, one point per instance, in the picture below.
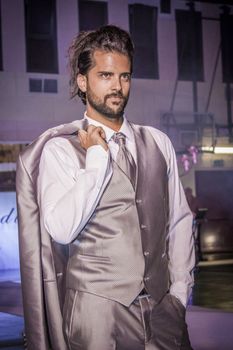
{"points": [[214, 286], [209, 314]]}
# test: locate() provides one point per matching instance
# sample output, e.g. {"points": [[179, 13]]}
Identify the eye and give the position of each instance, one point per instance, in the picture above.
{"points": [[126, 77], [105, 75]]}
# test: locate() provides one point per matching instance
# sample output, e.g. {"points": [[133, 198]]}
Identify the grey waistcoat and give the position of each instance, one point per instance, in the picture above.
{"points": [[44, 262], [122, 249]]}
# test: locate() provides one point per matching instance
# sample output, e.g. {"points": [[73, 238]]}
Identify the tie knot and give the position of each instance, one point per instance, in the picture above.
{"points": [[119, 138]]}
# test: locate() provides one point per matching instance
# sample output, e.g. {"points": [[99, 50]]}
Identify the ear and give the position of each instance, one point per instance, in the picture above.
{"points": [[82, 82]]}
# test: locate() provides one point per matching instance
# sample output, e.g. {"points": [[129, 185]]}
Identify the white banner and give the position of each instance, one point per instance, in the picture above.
{"points": [[9, 251]]}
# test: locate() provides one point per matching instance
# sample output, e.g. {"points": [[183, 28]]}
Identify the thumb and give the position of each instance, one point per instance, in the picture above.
{"points": [[102, 134]]}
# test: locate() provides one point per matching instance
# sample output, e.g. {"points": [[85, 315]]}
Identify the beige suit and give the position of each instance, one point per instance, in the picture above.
{"points": [[110, 268]]}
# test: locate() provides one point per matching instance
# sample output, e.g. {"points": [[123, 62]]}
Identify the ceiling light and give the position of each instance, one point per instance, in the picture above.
{"points": [[218, 149]]}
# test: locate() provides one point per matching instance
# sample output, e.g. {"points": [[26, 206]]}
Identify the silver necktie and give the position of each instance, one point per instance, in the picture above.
{"points": [[124, 158]]}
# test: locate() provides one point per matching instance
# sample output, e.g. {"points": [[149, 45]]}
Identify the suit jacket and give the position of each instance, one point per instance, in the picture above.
{"points": [[42, 261]]}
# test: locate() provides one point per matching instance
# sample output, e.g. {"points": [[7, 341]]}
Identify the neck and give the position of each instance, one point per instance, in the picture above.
{"points": [[114, 124]]}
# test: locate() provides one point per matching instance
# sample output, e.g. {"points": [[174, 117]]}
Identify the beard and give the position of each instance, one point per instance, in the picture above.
{"points": [[100, 105]]}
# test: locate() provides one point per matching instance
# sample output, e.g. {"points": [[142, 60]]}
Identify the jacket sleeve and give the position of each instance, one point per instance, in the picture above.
{"points": [[30, 262], [42, 312]]}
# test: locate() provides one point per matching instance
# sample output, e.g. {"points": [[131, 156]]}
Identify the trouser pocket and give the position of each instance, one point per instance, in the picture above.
{"points": [[68, 313]]}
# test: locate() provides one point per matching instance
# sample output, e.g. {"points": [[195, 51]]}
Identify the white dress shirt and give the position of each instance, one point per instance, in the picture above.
{"points": [[69, 194]]}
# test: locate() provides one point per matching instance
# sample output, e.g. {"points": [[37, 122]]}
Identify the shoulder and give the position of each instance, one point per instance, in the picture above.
{"points": [[60, 137], [53, 143], [160, 137], [164, 144], [61, 148], [63, 130], [162, 140], [59, 142]]}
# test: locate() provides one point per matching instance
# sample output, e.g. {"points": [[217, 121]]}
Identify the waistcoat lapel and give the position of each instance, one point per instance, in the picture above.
{"points": [[152, 206]]}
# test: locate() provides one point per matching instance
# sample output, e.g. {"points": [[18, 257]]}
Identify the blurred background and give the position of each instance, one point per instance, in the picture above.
{"points": [[182, 84]]}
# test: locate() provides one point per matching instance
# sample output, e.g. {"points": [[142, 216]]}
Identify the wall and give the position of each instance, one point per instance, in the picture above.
{"points": [[9, 251], [24, 115]]}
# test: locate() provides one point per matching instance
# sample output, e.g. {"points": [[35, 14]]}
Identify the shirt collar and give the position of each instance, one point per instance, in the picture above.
{"points": [[125, 128]]}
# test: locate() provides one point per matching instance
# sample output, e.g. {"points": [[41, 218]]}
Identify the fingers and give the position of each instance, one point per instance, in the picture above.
{"points": [[91, 129], [98, 136], [102, 134], [82, 135], [92, 136]]}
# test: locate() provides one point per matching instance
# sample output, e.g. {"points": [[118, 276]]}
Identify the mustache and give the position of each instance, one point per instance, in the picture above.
{"points": [[115, 94]]}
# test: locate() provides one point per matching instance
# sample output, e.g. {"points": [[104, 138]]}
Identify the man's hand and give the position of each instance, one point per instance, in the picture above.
{"points": [[92, 136]]}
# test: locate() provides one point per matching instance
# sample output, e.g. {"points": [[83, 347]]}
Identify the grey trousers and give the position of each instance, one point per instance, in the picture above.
{"points": [[95, 323]]}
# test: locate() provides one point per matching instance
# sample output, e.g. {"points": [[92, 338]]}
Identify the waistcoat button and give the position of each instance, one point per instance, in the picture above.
{"points": [[138, 201], [146, 253], [146, 278], [143, 226]]}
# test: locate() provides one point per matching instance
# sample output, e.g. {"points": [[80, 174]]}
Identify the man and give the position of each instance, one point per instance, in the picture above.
{"points": [[110, 190]]}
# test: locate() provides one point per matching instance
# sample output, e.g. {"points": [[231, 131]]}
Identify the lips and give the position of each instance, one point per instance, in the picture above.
{"points": [[115, 99]]}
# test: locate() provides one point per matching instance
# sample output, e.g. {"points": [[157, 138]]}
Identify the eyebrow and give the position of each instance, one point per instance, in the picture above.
{"points": [[105, 71], [109, 72]]}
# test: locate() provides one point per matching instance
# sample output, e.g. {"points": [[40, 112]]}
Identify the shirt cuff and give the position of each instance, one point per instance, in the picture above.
{"points": [[181, 291]]}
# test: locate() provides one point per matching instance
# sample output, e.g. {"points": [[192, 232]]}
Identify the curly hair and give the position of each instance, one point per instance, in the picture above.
{"points": [[81, 51]]}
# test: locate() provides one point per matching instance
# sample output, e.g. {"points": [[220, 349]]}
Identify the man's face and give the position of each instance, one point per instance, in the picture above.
{"points": [[107, 85]]}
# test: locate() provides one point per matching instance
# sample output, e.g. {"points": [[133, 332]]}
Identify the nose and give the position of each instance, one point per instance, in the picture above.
{"points": [[116, 86]]}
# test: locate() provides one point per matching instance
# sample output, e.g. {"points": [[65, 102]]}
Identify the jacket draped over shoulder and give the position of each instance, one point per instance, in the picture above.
{"points": [[42, 261]]}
